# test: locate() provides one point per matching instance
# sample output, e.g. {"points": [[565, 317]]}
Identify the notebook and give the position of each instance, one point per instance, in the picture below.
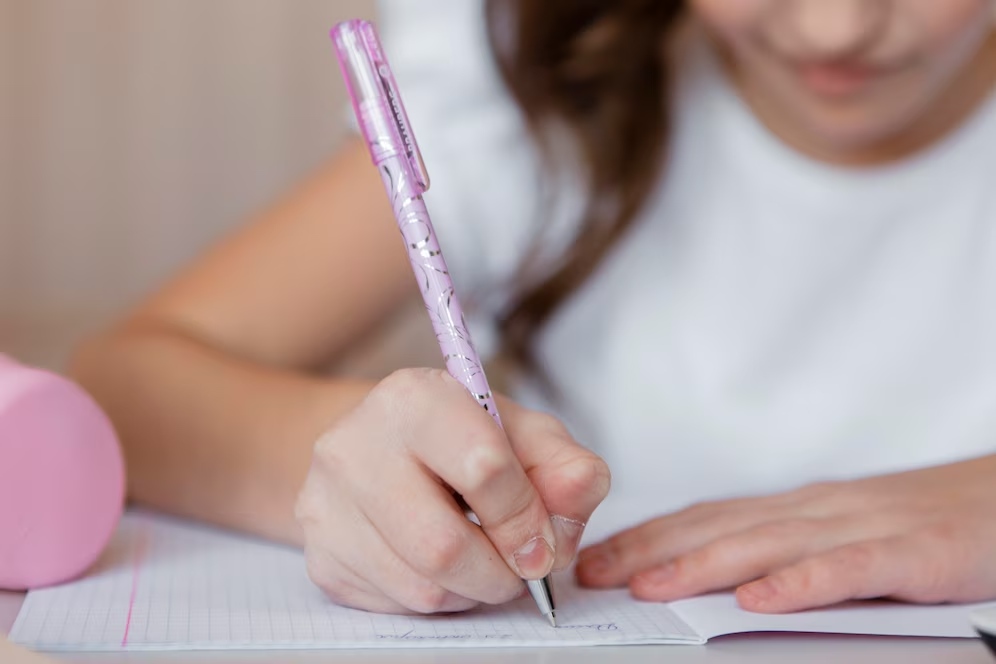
{"points": [[166, 584]]}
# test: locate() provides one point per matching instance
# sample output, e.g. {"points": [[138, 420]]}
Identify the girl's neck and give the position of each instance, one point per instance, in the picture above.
{"points": [[963, 96]]}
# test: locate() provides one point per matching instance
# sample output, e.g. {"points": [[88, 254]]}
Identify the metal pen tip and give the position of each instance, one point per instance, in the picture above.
{"points": [[540, 590]]}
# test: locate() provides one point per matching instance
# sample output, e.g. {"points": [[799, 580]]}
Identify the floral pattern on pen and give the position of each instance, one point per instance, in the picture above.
{"points": [[438, 293]]}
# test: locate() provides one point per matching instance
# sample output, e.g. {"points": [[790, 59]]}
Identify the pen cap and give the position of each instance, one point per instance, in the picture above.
{"points": [[62, 482], [374, 94]]}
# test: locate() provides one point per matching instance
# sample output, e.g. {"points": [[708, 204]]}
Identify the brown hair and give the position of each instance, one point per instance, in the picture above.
{"points": [[598, 69]]}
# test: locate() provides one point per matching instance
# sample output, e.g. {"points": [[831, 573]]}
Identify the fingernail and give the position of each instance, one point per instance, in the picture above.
{"points": [[658, 575], [567, 535], [534, 559], [760, 591]]}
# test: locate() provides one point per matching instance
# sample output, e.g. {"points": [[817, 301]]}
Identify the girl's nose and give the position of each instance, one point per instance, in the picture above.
{"points": [[835, 29]]}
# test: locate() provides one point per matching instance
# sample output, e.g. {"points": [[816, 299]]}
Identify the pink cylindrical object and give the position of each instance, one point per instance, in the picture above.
{"points": [[62, 482]]}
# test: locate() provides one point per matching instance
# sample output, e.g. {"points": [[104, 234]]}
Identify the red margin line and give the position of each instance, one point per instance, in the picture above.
{"points": [[141, 548]]}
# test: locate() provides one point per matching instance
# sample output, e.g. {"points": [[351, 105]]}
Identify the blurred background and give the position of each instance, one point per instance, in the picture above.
{"points": [[134, 133]]}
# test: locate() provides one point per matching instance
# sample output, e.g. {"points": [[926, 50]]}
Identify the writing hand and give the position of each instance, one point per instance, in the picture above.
{"points": [[383, 528], [925, 536]]}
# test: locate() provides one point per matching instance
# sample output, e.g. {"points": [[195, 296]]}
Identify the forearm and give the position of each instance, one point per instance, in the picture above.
{"points": [[208, 435]]}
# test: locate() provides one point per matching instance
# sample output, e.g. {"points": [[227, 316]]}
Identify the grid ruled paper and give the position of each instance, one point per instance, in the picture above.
{"points": [[165, 584]]}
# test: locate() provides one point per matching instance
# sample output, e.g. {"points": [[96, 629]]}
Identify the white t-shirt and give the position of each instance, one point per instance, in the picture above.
{"points": [[771, 320]]}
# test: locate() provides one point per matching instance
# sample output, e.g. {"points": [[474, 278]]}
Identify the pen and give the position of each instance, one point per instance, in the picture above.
{"points": [[384, 124]]}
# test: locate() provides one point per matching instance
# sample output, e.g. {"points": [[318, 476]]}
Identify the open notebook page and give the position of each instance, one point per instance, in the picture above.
{"points": [[716, 615], [166, 584]]}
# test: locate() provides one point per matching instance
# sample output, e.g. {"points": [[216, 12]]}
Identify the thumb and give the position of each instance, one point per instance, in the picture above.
{"points": [[570, 479]]}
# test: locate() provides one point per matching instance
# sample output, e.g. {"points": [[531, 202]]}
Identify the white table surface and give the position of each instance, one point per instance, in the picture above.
{"points": [[757, 648]]}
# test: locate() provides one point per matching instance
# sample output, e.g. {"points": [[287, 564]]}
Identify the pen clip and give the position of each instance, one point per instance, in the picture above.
{"points": [[396, 107]]}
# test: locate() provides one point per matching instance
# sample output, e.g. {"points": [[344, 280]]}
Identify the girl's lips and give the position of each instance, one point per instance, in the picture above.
{"points": [[846, 79], [837, 80]]}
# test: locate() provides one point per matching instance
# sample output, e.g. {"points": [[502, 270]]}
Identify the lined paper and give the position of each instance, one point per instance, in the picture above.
{"points": [[166, 584], [718, 614]]}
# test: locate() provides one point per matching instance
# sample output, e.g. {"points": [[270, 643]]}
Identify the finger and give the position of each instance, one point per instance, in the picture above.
{"points": [[612, 563], [468, 451], [403, 501], [571, 480], [365, 573], [863, 570], [441, 544], [423, 525], [323, 518], [736, 559], [344, 588]]}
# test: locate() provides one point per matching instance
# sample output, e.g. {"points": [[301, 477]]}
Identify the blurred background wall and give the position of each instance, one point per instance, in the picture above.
{"points": [[135, 132]]}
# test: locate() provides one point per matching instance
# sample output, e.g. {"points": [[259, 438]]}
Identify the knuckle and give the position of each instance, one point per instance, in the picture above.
{"points": [[805, 579], [632, 548], [428, 598], [410, 383], [587, 476], [306, 507], [483, 464], [708, 557], [859, 557], [603, 477], [439, 554], [599, 478], [786, 529], [844, 568], [410, 400], [848, 568]]}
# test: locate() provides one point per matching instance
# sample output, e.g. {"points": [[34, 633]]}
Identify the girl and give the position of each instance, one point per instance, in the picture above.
{"points": [[745, 250]]}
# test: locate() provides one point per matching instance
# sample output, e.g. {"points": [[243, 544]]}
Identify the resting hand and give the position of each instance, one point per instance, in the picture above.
{"points": [[926, 536], [383, 529]]}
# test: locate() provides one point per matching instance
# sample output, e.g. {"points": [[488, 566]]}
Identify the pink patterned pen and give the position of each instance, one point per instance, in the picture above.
{"points": [[389, 136]]}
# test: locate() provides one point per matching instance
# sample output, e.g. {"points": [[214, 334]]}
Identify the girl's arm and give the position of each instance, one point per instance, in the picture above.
{"points": [[212, 383], [213, 386]]}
